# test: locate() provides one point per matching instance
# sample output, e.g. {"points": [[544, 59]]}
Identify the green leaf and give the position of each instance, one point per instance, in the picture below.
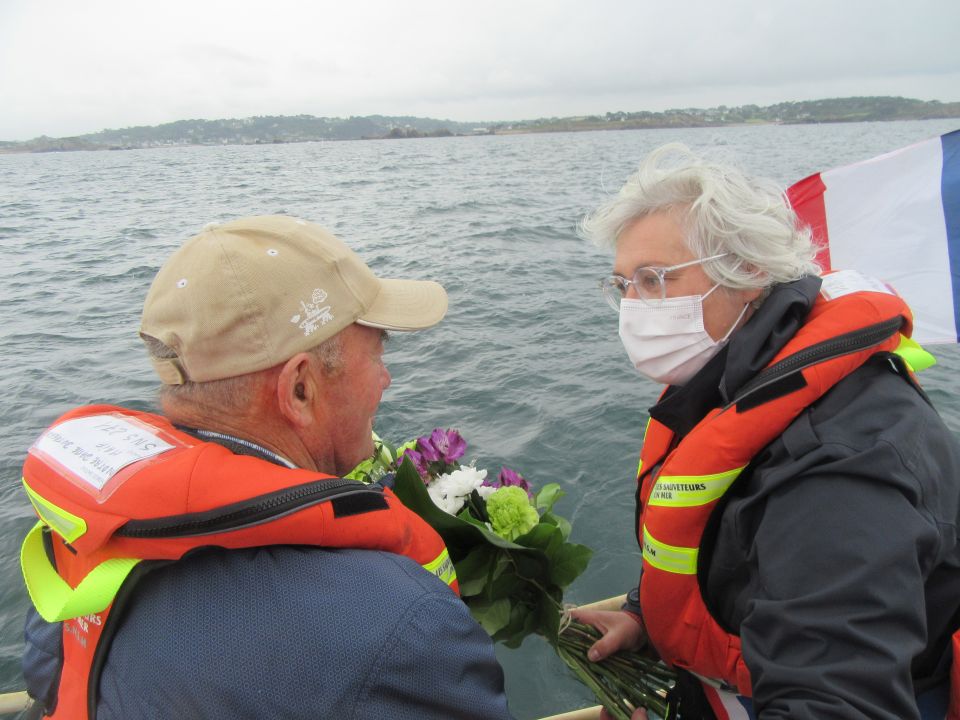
{"points": [[548, 616], [491, 615], [477, 507], [503, 564], [468, 517], [472, 570], [543, 536], [505, 583], [548, 495], [375, 466], [532, 565], [568, 562], [560, 522], [389, 450], [530, 623], [513, 633]]}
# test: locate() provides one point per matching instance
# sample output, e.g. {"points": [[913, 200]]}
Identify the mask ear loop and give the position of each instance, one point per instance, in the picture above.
{"points": [[735, 323], [742, 312], [707, 293]]}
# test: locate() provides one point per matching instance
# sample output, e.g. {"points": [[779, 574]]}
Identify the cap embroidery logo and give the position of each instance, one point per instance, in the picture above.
{"points": [[312, 316]]}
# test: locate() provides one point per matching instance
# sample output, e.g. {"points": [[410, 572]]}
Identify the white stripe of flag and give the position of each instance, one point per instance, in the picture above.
{"points": [[896, 217]]}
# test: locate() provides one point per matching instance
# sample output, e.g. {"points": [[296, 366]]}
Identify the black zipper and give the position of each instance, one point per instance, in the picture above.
{"points": [[827, 350], [247, 513]]}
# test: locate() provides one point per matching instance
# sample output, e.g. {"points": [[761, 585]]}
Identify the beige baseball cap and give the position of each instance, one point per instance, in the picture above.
{"points": [[249, 294]]}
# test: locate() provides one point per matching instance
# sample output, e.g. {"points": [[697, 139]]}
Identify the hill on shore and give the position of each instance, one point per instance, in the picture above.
{"points": [[307, 128]]}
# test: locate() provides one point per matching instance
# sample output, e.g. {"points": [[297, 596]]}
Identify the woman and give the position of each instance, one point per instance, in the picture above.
{"points": [[798, 496]]}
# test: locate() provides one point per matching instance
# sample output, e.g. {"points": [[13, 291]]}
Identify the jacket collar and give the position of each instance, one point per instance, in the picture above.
{"points": [[238, 446], [750, 350]]}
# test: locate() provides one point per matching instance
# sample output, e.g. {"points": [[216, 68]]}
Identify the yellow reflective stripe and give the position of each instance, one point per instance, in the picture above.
{"points": [[54, 599], [914, 355], [67, 525], [691, 490], [669, 558], [442, 567]]}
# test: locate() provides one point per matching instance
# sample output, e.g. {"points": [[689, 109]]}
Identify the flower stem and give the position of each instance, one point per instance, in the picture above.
{"points": [[613, 705], [621, 682]]}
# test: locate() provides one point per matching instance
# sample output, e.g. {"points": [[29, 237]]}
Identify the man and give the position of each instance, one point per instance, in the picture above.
{"points": [[210, 562]]}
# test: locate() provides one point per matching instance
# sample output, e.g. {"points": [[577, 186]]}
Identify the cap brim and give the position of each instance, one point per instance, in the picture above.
{"points": [[406, 305]]}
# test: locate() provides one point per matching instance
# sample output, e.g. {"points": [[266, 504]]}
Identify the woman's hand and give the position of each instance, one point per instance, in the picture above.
{"points": [[621, 631]]}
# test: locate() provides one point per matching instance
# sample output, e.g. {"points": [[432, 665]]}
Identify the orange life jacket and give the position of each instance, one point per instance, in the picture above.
{"points": [[677, 499], [113, 487]]}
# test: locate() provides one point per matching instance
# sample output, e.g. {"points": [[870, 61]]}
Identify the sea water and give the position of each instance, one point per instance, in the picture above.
{"points": [[527, 364]]}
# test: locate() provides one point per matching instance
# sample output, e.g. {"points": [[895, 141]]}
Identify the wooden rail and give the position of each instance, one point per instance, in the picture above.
{"points": [[14, 702]]}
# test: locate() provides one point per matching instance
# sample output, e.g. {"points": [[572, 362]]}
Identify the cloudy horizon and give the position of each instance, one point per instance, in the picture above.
{"points": [[78, 68]]}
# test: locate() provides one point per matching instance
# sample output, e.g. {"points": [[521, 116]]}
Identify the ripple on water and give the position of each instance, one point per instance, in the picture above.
{"points": [[527, 362]]}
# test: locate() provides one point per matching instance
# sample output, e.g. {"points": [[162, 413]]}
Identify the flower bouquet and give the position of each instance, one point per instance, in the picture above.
{"points": [[510, 550], [513, 559]]}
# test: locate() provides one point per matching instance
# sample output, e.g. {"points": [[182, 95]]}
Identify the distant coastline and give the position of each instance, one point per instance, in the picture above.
{"points": [[308, 128]]}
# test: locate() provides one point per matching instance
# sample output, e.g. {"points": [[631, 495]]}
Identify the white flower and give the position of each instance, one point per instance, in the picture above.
{"points": [[449, 504], [486, 491], [463, 481], [450, 491]]}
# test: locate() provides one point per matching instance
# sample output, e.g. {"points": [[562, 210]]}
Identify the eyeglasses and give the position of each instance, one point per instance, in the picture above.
{"points": [[649, 282]]}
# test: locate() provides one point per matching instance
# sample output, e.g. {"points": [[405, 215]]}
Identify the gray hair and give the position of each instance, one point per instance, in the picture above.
{"points": [[720, 210], [233, 394]]}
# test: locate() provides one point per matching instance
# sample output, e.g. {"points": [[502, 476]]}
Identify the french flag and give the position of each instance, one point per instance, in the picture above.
{"points": [[895, 217]]}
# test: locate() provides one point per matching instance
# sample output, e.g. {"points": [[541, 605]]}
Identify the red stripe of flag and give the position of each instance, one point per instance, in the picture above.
{"points": [[806, 198]]}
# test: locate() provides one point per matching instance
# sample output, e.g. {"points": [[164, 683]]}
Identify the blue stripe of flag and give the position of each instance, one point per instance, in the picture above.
{"points": [[950, 194]]}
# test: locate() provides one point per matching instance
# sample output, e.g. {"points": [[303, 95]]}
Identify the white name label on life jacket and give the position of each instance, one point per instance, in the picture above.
{"points": [[96, 448], [844, 282]]}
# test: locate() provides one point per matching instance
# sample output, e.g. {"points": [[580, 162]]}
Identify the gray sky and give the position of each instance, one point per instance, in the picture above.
{"points": [[77, 66]]}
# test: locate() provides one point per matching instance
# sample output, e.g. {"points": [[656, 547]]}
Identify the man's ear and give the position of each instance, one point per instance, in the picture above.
{"points": [[297, 389]]}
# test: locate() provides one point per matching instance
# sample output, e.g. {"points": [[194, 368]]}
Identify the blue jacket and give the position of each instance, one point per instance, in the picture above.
{"points": [[290, 632]]}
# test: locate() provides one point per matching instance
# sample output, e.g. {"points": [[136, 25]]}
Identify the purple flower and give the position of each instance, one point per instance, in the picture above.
{"points": [[428, 450], [418, 462], [449, 444], [508, 478]]}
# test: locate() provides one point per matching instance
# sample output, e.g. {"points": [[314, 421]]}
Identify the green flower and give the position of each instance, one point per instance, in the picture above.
{"points": [[375, 467], [511, 514]]}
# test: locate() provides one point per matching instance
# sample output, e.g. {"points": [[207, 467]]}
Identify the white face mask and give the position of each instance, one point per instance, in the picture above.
{"points": [[666, 339]]}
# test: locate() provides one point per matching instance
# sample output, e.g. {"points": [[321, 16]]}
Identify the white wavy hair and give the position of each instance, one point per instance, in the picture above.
{"points": [[720, 210]]}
